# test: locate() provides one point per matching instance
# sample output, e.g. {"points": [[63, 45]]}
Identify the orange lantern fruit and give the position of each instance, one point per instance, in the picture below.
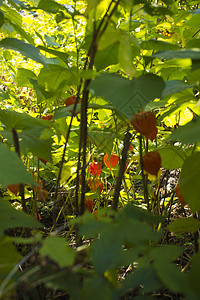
{"points": [[69, 101], [95, 168], [96, 185], [152, 162], [180, 196], [89, 204], [47, 117], [13, 188], [145, 124], [111, 160]]}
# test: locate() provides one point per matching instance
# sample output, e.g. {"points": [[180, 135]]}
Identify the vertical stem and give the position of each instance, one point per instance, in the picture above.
{"points": [[63, 159], [196, 237], [17, 150], [121, 170], [144, 182]]}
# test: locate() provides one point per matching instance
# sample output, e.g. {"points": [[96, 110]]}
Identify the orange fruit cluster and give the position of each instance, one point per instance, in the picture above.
{"points": [[180, 196], [111, 160], [145, 124], [95, 168], [152, 162]]}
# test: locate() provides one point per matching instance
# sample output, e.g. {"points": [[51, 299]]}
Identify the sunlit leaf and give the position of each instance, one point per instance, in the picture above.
{"points": [[12, 169], [189, 181], [172, 157], [128, 96], [28, 50]]}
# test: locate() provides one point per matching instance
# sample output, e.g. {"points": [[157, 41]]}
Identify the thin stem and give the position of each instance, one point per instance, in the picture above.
{"points": [[121, 170], [21, 186], [144, 182], [63, 158]]}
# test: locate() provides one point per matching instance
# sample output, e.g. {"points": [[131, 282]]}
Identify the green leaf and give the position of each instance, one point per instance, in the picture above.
{"points": [[194, 21], [137, 213], [158, 45], [1, 19], [183, 53], [54, 80], [58, 249], [172, 157], [103, 140], [31, 141], [29, 51], [10, 217], [50, 6], [183, 225], [106, 252], [193, 43], [189, 133], [23, 77], [20, 121], [165, 253], [143, 233], [100, 284], [195, 273], [128, 96], [142, 276], [12, 170], [90, 227], [175, 86], [23, 33], [107, 57], [62, 55], [12, 15], [171, 277], [128, 48], [9, 257], [34, 135], [189, 181]]}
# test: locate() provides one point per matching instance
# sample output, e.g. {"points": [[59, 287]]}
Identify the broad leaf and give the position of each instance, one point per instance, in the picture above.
{"points": [[9, 257], [11, 218], [20, 121], [172, 157], [29, 51], [175, 86], [31, 142], [58, 249], [50, 6], [194, 273], [128, 96], [1, 19], [189, 181], [184, 225], [106, 252], [189, 133], [54, 80], [12, 170], [158, 45], [107, 57], [62, 55], [23, 77], [184, 53], [103, 140]]}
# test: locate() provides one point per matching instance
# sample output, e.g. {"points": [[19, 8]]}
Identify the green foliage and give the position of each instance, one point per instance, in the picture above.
{"points": [[12, 170], [189, 181], [184, 225], [118, 60], [56, 248], [14, 218], [128, 96]]}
